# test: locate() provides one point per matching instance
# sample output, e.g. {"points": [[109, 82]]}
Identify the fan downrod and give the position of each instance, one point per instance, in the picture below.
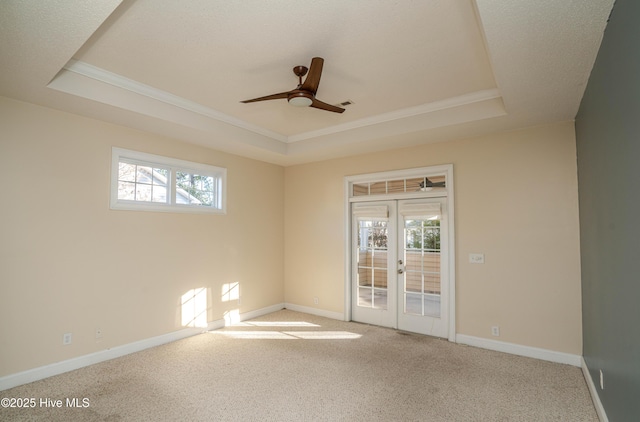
{"points": [[300, 71]]}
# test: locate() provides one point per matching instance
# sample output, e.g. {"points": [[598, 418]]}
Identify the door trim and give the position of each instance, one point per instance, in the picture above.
{"points": [[447, 170]]}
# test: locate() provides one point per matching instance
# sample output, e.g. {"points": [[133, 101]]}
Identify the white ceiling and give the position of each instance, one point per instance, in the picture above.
{"points": [[417, 71]]}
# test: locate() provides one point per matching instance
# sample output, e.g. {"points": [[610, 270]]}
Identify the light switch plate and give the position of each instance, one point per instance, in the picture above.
{"points": [[476, 258]]}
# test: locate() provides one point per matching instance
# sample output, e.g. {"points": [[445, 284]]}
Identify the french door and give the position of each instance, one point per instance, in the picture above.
{"points": [[400, 265]]}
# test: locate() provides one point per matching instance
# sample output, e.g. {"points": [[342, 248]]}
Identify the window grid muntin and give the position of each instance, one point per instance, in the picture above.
{"points": [[154, 176]]}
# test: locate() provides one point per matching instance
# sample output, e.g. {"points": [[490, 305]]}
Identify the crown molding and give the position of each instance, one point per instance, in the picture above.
{"points": [[99, 74], [127, 94], [459, 101]]}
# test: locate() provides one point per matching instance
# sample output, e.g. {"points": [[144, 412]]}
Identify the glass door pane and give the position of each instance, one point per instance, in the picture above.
{"points": [[422, 266], [372, 263]]}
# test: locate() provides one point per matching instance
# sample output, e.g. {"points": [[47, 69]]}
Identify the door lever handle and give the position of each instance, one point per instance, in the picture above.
{"points": [[400, 271]]}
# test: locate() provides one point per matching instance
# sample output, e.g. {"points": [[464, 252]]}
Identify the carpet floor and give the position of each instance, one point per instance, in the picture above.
{"points": [[289, 366]]}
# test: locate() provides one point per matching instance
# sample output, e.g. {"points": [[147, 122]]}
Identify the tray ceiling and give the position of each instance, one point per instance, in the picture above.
{"points": [[416, 71]]}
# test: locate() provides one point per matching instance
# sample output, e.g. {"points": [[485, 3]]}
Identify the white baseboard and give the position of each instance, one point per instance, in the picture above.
{"points": [[259, 312], [57, 368], [602, 415], [314, 311], [516, 349]]}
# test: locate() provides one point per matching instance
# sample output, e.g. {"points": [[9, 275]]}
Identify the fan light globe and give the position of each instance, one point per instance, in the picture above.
{"points": [[300, 101]]}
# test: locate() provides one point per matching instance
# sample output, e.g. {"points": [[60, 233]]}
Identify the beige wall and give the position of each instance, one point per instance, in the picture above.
{"points": [[70, 264], [516, 202]]}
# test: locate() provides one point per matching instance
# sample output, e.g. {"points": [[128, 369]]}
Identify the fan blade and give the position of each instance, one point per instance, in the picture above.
{"points": [[269, 97], [313, 79], [324, 106], [426, 183]]}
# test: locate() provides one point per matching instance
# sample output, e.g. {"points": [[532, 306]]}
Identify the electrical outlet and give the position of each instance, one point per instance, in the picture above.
{"points": [[66, 339], [495, 331], [476, 258], [98, 333], [316, 301]]}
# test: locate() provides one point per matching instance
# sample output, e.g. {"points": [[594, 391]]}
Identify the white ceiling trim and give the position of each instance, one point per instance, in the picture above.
{"points": [[367, 138], [218, 134], [459, 101], [71, 79], [120, 81]]}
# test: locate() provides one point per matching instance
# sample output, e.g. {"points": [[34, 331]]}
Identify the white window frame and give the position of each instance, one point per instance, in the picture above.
{"points": [[173, 165]]}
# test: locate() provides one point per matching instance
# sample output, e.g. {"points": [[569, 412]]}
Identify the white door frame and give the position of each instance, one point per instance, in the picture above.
{"points": [[447, 170]]}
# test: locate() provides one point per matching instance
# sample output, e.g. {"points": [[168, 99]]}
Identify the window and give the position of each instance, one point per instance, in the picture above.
{"points": [[141, 181], [431, 184]]}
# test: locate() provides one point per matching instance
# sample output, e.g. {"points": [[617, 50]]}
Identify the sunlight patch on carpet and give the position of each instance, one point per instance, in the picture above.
{"points": [[254, 335], [288, 335], [276, 324], [324, 335]]}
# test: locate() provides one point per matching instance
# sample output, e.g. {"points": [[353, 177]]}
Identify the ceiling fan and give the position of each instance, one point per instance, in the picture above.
{"points": [[305, 93], [427, 185]]}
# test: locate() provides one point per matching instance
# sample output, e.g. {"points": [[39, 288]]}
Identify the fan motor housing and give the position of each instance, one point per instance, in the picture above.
{"points": [[300, 98]]}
